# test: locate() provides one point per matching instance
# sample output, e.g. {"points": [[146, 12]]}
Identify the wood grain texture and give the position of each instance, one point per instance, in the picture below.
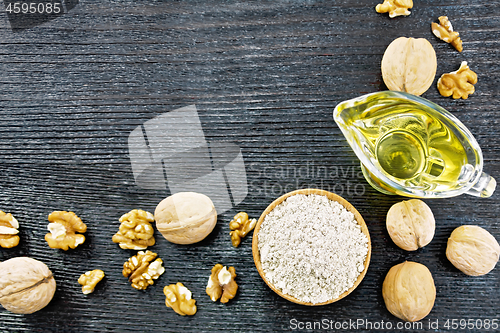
{"points": [[265, 75]]}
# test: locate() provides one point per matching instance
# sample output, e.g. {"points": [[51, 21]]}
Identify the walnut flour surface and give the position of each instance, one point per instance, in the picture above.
{"points": [[311, 248]]}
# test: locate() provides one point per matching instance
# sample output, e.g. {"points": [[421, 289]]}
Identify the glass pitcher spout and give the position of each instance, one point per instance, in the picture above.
{"points": [[410, 146], [484, 187]]}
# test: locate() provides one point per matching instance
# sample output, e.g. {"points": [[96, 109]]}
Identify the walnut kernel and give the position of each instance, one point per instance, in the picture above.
{"points": [[179, 299], [221, 284], [460, 83], [473, 250], [8, 230], [444, 31], [395, 7], [409, 65], [241, 225], [26, 285], [409, 291], [135, 232], [410, 224], [63, 229], [141, 270], [90, 279]]}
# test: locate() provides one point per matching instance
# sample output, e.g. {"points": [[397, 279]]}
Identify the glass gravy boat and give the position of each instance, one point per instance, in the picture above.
{"points": [[410, 146]]}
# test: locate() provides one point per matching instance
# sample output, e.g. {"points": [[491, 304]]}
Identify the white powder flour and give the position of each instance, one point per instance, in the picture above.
{"points": [[312, 248]]}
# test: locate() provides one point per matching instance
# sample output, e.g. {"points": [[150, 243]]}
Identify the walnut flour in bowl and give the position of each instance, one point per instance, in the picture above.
{"points": [[311, 247]]}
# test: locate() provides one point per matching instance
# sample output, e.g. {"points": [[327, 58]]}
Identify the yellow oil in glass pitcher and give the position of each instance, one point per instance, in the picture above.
{"points": [[410, 146]]}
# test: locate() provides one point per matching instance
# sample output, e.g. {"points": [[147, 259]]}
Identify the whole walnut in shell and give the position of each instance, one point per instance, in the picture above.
{"points": [[409, 65], [472, 250], [408, 291], [410, 224], [26, 285], [185, 217]]}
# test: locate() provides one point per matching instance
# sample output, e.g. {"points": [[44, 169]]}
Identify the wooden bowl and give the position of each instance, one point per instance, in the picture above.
{"points": [[331, 196]]}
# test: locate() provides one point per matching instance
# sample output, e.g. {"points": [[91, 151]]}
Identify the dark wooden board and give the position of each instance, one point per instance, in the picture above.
{"points": [[265, 75]]}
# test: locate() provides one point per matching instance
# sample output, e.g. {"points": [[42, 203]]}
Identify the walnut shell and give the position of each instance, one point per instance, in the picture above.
{"points": [[185, 217], [408, 291], [409, 65], [472, 250], [26, 285], [410, 224]]}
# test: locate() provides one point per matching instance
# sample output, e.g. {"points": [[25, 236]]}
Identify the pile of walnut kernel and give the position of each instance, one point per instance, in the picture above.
{"points": [[135, 233], [144, 267]]}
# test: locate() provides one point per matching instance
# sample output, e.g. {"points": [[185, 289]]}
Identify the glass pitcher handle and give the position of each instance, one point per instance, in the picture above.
{"points": [[484, 187]]}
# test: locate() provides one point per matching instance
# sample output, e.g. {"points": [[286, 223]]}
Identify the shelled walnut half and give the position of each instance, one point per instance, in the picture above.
{"points": [[241, 225], [458, 84], [395, 7], [8, 230], [63, 229], [90, 279], [135, 232], [444, 31], [141, 270], [221, 284], [179, 299]]}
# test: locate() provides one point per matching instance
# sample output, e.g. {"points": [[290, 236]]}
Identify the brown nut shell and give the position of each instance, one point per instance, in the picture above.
{"points": [[409, 65], [185, 217], [26, 285], [410, 224], [409, 291], [473, 250]]}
